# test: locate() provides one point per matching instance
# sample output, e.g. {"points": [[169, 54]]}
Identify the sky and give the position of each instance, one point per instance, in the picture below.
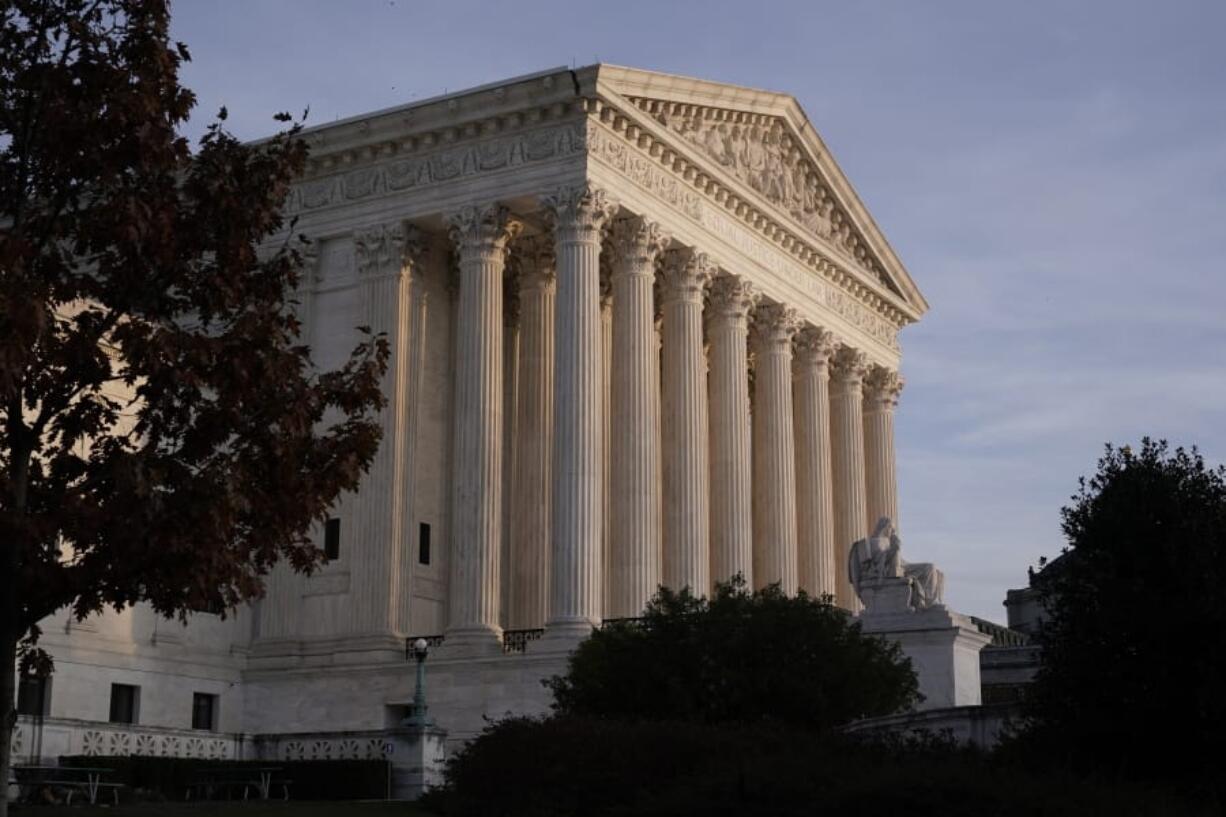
{"points": [[1052, 174]]}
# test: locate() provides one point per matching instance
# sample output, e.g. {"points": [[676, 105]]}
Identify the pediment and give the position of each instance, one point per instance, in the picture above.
{"points": [[764, 142]]}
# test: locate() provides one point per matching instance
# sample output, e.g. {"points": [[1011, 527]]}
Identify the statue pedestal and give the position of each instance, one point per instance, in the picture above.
{"points": [[943, 646]]}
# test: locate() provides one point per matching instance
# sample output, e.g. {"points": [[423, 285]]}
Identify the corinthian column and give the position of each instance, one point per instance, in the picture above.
{"points": [[774, 451], [687, 555], [386, 255], [881, 389], [635, 563], [578, 214], [847, 463], [729, 301], [532, 488], [814, 490], [480, 235]]}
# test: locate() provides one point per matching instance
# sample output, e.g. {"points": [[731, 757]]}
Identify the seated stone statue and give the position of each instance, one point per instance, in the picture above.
{"points": [[877, 558]]}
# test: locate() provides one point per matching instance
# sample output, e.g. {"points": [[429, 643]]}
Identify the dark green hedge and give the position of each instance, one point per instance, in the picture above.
{"points": [[311, 779], [570, 766]]}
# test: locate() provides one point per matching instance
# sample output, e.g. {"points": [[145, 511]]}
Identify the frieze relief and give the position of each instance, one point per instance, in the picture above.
{"points": [[760, 152], [448, 164]]}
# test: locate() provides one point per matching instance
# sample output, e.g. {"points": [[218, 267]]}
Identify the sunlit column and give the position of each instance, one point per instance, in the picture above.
{"points": [[814, 489], [847, 462], [480, 235], [774, 450]]}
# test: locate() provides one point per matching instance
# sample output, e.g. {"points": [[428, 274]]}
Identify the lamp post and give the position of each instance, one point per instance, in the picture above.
{"points": [[419, 718]]}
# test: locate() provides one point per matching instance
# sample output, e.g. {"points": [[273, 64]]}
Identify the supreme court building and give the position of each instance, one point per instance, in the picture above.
{"points": [[643, 332]]}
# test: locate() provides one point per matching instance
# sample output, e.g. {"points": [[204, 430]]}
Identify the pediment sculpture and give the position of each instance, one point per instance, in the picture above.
{"points": [[765, 157]]}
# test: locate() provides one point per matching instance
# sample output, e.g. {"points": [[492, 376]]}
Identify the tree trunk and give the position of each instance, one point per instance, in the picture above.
{"points": [[8, 705]]}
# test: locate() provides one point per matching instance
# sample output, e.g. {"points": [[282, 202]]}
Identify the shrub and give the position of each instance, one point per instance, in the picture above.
{"points": [[739, 657]]}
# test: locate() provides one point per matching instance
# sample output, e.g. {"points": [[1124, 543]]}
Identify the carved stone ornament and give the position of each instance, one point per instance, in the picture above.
{"points": [[424, 167], [761, 153], [536, 261], [380, 249], [485, 228], [684, 274], [579, 212], [882, 387], [636, 244], [773, 327], [814, 346], [848, 366], [730, 296]]}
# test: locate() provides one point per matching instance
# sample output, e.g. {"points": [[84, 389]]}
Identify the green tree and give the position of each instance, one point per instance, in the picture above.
{"points": [[1131, 680], [164, 437], [737, 657]]}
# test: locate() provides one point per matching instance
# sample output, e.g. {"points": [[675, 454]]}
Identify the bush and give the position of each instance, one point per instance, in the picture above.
{"points": [[575, 766], [311, 779], [1131, 683], [740, 657]]}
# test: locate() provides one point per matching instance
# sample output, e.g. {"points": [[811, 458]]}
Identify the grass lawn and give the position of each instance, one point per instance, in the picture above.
{"points": [[230, 809]]}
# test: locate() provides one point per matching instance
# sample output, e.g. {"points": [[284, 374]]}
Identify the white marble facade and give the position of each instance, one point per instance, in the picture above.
{"points": [[643, 332]]}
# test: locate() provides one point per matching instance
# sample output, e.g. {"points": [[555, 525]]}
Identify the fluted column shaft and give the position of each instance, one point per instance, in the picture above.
{"points": [[579, 214], [532, 489], [814, 483], [774, 450], [510, 431], [728, 307], [847, 463], [606, 412], [881, 389], [635, 563], [687, 559], [378, 523], [480, 235]]}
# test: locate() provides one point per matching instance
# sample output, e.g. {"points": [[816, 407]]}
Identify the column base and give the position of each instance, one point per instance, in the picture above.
{"points": [[564, 635], [471, 642]]}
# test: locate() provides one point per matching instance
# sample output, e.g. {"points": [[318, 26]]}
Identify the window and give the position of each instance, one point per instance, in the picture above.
{"points": [[423, 543], [204, 711], [125, 703], [34, 695], [332, 539]]}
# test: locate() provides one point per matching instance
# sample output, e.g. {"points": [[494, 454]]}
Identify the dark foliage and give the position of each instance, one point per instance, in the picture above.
{"points": [[1131, 685], [739, 657], [574, 766], [161, 425], [171, 777]]}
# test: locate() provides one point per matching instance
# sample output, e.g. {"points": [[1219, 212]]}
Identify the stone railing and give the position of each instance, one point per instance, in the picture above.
{"points": [[517, 640], [371, 744], [432, 641], [49, 738], [1001, 636]]}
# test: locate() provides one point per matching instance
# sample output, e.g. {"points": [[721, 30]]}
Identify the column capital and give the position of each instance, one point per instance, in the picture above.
{"points": [[579, 212], [482, 228], [813, 347], [882, 387], [848, 366], [308, 272], [393, 248], [773, 326], [731, 296], [684, 274], [536, 260], [637, 243]]}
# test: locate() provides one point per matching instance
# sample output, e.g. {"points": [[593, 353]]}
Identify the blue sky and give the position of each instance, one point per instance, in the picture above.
{"points": [[1053, 174]]}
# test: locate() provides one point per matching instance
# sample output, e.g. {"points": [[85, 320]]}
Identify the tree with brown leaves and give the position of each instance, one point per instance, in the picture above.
{"points": [[165, 436]]}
